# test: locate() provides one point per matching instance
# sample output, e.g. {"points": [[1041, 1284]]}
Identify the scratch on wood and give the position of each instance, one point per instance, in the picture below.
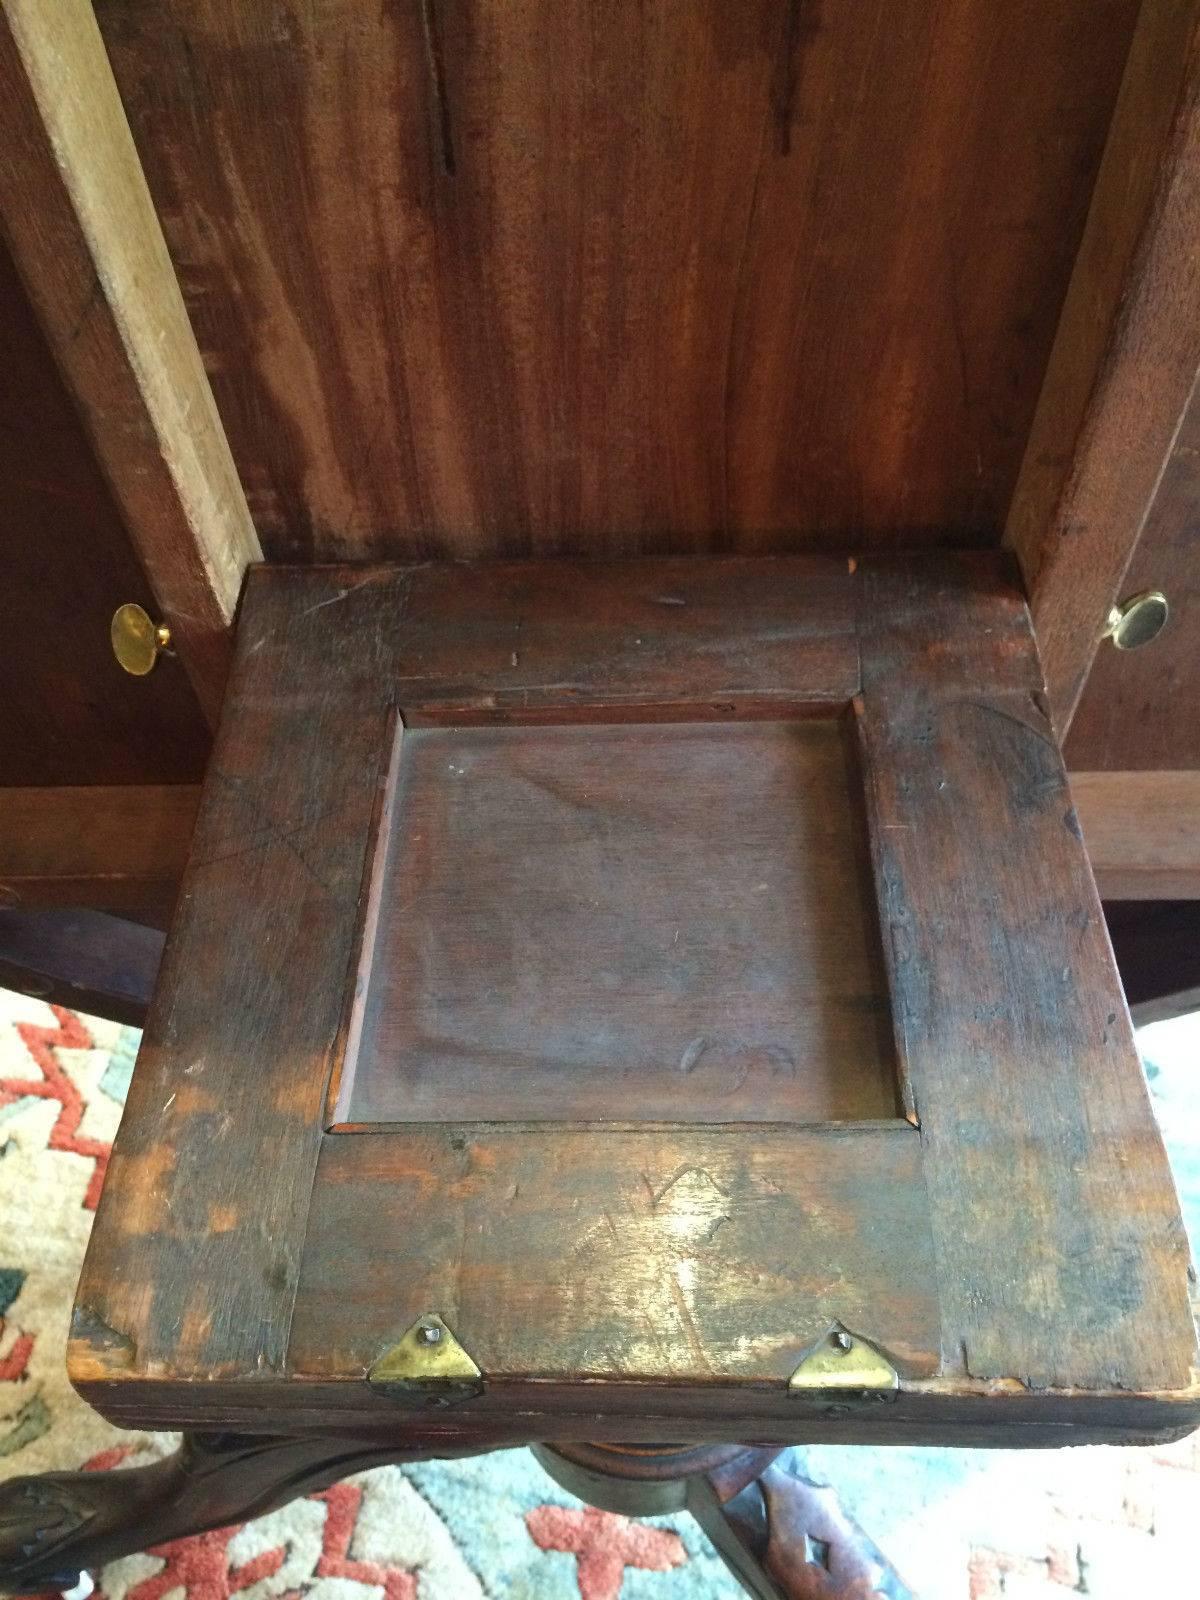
{"points": [[994, 710], [437, 81], [783, 86], [689, 1324], [694, 1050], [332, 600]]}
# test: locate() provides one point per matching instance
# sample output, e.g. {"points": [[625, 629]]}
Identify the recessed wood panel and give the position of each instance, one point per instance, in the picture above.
{"points": [[669, 276], [664, 922]]}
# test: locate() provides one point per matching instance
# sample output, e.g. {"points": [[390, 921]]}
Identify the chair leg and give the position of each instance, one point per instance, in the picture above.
{"points": [[56, 1527]]}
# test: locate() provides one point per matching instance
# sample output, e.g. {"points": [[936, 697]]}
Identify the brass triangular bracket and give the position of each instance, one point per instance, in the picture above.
{"points": [[843, 1361], [427, 1358]]}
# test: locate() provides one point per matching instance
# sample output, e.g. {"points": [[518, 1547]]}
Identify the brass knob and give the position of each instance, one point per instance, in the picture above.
{"points": [[137, 641], [1135, 621]]}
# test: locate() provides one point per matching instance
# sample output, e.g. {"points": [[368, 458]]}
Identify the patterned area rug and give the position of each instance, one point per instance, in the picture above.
{"points": [[959, 1524]]}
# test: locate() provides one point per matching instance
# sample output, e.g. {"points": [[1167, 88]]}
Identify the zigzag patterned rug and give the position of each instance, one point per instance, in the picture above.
{"points": [[960, 1525]]}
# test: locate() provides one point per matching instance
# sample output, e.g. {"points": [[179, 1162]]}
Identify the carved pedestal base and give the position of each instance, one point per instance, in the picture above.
{"points": [[783, 1538], [54, 1527]]}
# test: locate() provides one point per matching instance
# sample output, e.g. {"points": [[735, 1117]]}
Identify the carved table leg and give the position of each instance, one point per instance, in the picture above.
{"points": [[54, 1527], [785, 1538]]}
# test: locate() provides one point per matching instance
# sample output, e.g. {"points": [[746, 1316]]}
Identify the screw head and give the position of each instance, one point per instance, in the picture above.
{"points": [[429, 1333], [840, 1341]]}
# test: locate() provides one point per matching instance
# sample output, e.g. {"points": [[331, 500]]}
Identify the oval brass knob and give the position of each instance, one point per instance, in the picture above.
{"points": [[137, 641], [1136, 620]]}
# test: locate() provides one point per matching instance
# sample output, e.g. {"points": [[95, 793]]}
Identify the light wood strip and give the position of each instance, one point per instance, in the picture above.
{"points": [[87, 241]]}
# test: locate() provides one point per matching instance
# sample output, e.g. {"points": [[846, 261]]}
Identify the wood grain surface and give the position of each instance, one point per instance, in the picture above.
{"points": [[197, 1269], [711, 1258], [1142, 831], [1061, 1255], [659, 922], [483, 277], [1019, 1255], [121, 848]]}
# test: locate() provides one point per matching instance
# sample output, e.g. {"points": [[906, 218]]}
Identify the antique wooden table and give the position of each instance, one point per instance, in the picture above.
{"points": [[660, 1003], [663, 1004]]}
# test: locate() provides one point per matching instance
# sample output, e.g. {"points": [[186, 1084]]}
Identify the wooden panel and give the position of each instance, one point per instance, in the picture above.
{"points": [[68, 714], [703, 276], [115, 849], [1140, 709], [1125, 356], [656, 922], [194, 1270], [1061, 1257], [85, 236], [1142, 831], [83, 959], [527, 641], [680, 1255], [1157, 946], [213, 1173], [934, 1412], [244, 1262]]}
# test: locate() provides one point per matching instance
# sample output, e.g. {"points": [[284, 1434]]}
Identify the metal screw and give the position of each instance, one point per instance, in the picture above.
{"points": [[840, 1341], [429, 1333]]}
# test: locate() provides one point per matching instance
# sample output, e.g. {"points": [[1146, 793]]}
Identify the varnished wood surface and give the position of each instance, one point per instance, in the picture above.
{"points": [[83, 230], [121, 848], [680, 1256], [68, 714], [663, 922], [1125, 358], [935, 1411], [244, 1262], [701, 277], [1142, 831], [277, 865], [522, 641], [1140, 709], [1061, 1257]]}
